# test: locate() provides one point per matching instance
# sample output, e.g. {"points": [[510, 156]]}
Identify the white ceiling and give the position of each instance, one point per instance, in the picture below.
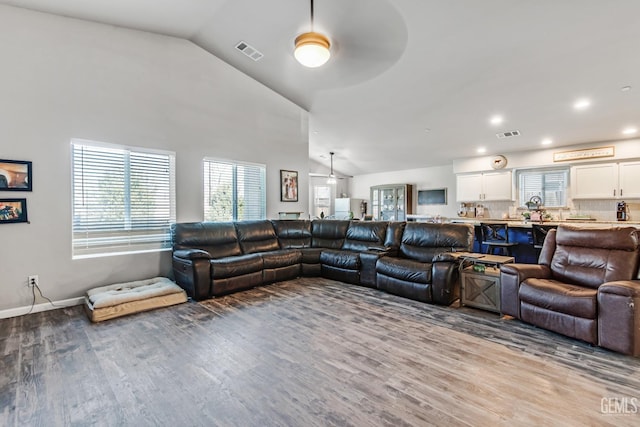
{"points": [[413, 83]]}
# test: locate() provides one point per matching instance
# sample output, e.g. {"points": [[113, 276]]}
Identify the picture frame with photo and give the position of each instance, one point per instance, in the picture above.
{"points": [[288, 186], [16, 175], [13, 210]]}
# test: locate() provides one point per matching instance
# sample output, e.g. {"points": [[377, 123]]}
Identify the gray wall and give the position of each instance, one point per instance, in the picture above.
{"points": [[63, 78]]}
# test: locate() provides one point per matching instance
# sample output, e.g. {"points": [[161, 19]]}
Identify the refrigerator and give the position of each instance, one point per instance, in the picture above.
{"points": [[345, 205]]}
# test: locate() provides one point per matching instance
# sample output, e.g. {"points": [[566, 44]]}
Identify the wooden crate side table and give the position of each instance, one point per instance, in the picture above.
{"points": [[481, 289]]}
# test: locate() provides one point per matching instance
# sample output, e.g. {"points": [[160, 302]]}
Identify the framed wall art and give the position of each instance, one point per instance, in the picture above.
{"points": [[13, 210], [15, 175], [288, 186]]}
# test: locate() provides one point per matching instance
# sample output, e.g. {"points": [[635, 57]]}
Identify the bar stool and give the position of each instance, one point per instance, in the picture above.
{"points": [[496, 237], [539, 233]]}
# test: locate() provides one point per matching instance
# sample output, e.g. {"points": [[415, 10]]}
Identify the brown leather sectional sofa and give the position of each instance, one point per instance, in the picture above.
{"points": [[585, 286], [211, 259]]}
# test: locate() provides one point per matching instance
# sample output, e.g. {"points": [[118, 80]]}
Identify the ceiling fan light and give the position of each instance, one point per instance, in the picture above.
{"points": [[312, 49]]}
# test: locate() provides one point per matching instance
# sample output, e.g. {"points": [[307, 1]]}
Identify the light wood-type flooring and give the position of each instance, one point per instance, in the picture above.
{"points": [[307, 352]]}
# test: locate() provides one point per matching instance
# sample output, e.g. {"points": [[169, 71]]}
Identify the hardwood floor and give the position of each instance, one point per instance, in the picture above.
{"points": [[304, 353]]}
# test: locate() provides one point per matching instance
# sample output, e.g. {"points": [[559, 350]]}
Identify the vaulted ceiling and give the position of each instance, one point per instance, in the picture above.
{"points": [[414, 83]]}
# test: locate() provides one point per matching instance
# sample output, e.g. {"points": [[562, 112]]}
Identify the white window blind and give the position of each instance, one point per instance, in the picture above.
{"points": [[234, 191], [123, 199], [550, 185]]}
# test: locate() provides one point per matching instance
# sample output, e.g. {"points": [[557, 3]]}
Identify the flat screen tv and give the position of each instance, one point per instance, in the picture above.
{"points": [[432, 197]]}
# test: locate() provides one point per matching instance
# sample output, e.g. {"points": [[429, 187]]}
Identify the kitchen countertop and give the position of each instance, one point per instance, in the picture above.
{"points": [[527, 224]]}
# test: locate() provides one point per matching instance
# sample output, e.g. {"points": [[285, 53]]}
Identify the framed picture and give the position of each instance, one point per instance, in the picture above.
{"points": [[13, 210], [288, 186], [15, 175]]}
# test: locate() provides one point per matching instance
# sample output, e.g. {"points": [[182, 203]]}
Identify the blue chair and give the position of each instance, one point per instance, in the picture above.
{"points": [[495, 236]]}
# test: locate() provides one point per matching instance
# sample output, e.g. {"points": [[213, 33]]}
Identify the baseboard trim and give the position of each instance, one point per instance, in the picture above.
{"points": [[21, 311]]}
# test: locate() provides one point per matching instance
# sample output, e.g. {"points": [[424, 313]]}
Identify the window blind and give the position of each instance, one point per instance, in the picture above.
{"points": [[123, 199], [550, 185], [234, 191]]}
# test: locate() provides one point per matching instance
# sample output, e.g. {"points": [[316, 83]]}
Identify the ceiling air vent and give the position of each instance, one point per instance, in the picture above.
{"points": [[250, 51], [508, 134]]}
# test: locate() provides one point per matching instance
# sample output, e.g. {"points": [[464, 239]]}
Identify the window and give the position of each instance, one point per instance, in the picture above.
{"points": [[234, 191], [123, 199], [321, 200], [548, 184]]}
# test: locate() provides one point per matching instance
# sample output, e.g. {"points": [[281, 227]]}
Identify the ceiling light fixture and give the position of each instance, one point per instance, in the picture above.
{"points": [[629, 131], [496, 120], [312, 49], [481, 150], [332, 177], [547, 141], [581, 104]]}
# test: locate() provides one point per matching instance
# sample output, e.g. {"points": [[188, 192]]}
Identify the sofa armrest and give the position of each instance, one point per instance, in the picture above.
{"points": [[368, 260], [511, 276], [193, 275], [626, 288], [619, 316], [191, 254], [447, 257], [445, 282]]}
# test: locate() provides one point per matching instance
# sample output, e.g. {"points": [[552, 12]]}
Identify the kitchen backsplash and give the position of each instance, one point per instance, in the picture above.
{"points": [[602, 210]]}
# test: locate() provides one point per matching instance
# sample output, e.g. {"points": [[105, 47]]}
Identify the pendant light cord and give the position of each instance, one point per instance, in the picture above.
{"points": [[332, 153], [311, 15]]}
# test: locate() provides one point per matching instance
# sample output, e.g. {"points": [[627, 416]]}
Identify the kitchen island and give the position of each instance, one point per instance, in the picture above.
{"points": [[521, 232]]}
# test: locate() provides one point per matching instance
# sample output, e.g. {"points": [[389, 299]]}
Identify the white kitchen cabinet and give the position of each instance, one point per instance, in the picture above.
{"points": [[487, 186], [629, 179], [606, 181]]}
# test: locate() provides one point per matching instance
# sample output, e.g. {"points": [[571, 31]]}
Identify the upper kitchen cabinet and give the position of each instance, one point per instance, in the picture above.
{"points": [[606, 181], [629, 179], [487, 186]]}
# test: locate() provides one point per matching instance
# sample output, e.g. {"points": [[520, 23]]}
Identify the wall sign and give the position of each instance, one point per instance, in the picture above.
{"points": [[585, 154]]}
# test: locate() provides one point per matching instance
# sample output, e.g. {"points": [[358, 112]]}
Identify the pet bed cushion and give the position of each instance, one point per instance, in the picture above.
{"points": [[120, 299]]}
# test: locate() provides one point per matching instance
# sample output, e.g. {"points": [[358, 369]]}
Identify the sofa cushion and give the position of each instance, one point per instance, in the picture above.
{"points": [[311, 255], [405, 269], [257, 236], [590, 257], [293, 234], [281, 258], [341, 259], [395, 229], [235, 266], [362, 235], [219, 239], [328, 233], [422, 241], [560, 297]]}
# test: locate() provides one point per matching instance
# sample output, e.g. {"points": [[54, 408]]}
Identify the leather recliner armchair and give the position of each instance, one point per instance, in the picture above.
{"points": [[583, 286]]}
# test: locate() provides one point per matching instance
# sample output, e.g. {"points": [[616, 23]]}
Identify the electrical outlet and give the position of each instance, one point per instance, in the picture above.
{"points": [[32, 281]]}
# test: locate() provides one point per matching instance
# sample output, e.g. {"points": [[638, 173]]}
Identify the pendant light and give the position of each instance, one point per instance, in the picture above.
{"points": [[312, 49], [332, 177]]}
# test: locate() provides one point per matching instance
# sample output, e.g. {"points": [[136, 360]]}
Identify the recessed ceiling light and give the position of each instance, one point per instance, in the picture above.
{"points": [[625, 88], [629, 131], [547, 141], [581, 104], [496, 120], [481, 150]]}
